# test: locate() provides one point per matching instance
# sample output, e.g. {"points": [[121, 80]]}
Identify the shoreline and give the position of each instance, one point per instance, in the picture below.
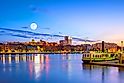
{"points": [[41, 53]]}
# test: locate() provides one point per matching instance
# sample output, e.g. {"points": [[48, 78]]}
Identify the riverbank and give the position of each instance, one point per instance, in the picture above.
{"points": [[80, 52]]}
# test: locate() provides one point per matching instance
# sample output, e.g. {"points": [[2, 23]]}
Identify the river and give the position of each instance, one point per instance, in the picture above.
{"points": [[55, 68]]}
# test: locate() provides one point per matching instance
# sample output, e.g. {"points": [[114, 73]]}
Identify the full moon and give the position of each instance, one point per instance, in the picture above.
{"points": [[33, 26]]}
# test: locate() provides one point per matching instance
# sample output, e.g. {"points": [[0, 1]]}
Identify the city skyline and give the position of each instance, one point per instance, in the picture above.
{"points": [[92, 19]]}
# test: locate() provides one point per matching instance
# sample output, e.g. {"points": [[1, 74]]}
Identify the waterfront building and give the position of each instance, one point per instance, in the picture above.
{"points": [[67, 41], [64, 45], [63, 42], [110, 47]]}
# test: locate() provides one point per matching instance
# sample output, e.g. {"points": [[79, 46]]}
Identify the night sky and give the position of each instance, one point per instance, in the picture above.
{"points": [[91, 19]]}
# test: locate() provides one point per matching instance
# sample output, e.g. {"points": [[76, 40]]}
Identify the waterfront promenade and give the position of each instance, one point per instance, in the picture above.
{"points": [[58, 52]]}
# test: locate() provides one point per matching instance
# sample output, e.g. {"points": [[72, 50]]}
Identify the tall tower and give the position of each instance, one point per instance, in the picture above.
{"points": [[103, 46], [68, 40], [121, 46]]}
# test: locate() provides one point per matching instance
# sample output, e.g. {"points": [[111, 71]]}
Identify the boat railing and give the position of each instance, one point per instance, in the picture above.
{"points": [[99, 55]]}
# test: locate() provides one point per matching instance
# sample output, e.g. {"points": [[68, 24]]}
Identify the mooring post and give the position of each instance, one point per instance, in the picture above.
{"points": [[120, 58], [90, 57], [121, 55]]}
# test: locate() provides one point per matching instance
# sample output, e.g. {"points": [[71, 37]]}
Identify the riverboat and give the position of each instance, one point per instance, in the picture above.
{"points": [[97, 57]]}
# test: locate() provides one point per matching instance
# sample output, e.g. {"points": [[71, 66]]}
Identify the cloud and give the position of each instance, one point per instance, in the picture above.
{"points": [[38, 9], [46, 28], [79, 39], [29, 34], [22, 36], [24, 27]]}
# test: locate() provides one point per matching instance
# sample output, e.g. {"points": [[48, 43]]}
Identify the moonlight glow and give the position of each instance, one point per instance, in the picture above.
{"points": [[33, 26]]}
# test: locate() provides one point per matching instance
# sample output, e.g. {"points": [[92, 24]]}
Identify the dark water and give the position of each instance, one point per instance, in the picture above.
{"points": [[55, 68]]}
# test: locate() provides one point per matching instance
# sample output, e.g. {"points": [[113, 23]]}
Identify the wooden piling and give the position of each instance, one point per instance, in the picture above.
{"points": [[90, 58]]}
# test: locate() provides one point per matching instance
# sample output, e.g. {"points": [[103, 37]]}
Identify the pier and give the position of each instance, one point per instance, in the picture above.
{"points": [[107, 64]]}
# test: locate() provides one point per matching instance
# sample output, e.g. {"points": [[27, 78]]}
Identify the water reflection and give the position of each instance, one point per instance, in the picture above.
{"points": [[17, 58], [36, 63], [47, 64], [66, 57], [107, 74], [61, 68], [3, 59], [36, 58], [9, 58]]}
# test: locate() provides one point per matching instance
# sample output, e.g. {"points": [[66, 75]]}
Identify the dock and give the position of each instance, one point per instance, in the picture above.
{"points": [[107, 64]]}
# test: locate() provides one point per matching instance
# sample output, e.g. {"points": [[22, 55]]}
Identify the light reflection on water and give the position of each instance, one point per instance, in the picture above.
{"points": [[55, 68]]}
